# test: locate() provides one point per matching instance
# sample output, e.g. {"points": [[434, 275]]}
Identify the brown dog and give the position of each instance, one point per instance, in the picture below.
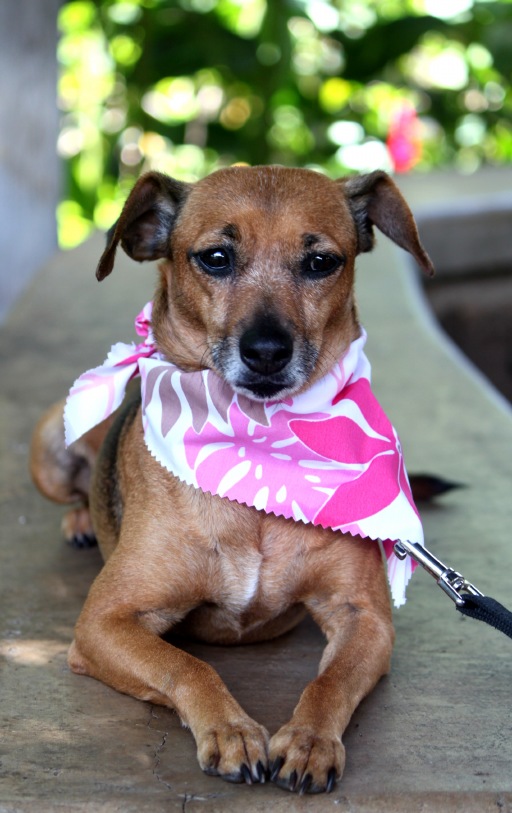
{"points": [[256, 283]]}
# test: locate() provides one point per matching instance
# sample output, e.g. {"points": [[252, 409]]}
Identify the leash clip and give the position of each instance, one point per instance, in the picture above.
{"points": [[454, 584]]}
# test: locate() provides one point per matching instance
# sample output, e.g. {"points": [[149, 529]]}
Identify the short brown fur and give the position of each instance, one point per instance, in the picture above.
{"points": [[228, 573]]}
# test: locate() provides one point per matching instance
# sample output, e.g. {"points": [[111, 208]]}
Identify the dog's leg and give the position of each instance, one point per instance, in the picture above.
{"points": [[139, 595], [63, 474], [307, 754]]}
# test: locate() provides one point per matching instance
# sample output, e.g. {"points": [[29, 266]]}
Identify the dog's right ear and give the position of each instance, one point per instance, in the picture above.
{"points": [[146, 221]]}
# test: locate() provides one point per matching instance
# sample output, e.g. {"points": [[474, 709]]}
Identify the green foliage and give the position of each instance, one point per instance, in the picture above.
{"points": [[186, 86]]}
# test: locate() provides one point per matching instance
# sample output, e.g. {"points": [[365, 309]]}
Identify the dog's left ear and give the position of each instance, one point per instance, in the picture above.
{"points": [[375, 200], [145, 224]]}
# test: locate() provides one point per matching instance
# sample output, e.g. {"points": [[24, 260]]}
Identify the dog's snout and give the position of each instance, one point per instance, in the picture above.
{"points": [[266, 348]]}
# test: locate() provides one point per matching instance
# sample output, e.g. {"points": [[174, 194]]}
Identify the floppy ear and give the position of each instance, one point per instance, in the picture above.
{"points": [[146, 221], [375, 200]]}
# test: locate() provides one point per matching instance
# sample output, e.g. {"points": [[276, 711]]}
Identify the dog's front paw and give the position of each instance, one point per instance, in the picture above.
{"points": [[235, 751], [301, 759]]}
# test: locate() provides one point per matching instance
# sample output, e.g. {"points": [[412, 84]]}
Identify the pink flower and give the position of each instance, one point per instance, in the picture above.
{"points": [[404, 138]]}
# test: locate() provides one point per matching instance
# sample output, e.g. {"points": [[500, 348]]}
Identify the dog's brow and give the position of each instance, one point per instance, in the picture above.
{"points": [[311, 240], [231, 231]]}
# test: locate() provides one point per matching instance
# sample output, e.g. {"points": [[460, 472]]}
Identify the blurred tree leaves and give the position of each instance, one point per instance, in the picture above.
{"points": [[186, 86]]}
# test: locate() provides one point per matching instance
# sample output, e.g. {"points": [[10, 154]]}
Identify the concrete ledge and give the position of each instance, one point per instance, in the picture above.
{"points": [[469, 235], [434, 736]]}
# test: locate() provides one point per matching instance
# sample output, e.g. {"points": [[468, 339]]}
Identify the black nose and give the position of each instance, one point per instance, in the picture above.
{"points": [[266, 348]]}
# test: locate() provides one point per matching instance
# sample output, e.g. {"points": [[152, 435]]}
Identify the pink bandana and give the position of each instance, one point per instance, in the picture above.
{"points": [[328, 456]]}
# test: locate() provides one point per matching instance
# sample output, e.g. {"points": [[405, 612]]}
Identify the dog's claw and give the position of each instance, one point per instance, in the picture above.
{"points": [[305, 784], [261, 772], [246, 774], [275, 768], [331, 780], [83, 541], [237, 752], [304, 761]]}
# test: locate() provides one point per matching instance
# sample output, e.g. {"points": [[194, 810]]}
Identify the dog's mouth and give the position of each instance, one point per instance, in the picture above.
{"points": [[258, 386], [266, 362], [265, 390]]}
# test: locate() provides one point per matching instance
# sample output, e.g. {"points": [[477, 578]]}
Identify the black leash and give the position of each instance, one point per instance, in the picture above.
{"points": [[468, 600], [487, 609]]}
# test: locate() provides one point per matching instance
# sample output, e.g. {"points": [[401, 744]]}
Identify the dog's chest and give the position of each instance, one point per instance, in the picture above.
{"points": [[247, 594], [241, 578], [256, 572]]}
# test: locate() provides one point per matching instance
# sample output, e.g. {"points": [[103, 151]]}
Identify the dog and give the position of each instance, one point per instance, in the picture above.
{"points": [[256, 283]]}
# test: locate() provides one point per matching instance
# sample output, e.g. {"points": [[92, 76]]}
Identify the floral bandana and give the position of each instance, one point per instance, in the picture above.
{"points": [[328, 456]]}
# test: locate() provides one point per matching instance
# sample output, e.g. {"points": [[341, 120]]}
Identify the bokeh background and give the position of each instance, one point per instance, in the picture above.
{"points": [[94, 92], [186, 86]]}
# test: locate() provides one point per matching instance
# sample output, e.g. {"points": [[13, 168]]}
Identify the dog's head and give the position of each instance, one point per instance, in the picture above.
{"points": [[257, 276]]}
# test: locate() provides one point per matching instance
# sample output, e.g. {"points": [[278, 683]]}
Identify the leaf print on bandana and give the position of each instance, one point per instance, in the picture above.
{"points": [[255, 410], [262, 463], [361, 393], [340, 439], [347, 441], [370, 493], [194, 390], [152, 377], [221, 394], [328, 455], [171, 403]]}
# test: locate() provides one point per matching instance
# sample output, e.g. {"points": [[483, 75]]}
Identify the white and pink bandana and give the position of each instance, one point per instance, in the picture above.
{"points": [[328, 456]]}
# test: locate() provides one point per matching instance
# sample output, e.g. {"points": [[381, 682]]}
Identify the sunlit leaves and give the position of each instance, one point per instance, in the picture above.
{"points": [[313, 53], [447, 9], [125, 13], [172, 100], [77, 16], [346, 132], [73, 227], [87, 78], [334, 94], [236, 112], [243, 17], [289, 131], [125, 50], [437, 62], [187, 86]]}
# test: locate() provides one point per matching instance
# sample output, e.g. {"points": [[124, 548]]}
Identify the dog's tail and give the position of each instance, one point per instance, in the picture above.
{"points": [[426, 487]]}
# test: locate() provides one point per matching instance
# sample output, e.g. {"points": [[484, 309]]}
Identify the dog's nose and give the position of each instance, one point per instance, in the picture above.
{"points": [[266, 348]]}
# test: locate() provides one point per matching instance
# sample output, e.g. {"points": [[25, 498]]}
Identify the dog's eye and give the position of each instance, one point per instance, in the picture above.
{"points": [[215, 261], [320, 265]]}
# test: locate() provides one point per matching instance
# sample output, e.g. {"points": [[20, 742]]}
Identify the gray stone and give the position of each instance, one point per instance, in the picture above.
{"points": [[434, 736]]}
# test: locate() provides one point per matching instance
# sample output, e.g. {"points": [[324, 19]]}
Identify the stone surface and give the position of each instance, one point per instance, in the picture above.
{"points": [[434, 736]]}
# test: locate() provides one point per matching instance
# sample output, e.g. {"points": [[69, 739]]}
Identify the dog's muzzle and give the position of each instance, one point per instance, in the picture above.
{"points": [[266, 349], [265, 360], [266, 353]]}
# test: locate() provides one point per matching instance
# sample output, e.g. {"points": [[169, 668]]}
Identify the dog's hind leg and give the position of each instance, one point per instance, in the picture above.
{"points": [[63, 474]]}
